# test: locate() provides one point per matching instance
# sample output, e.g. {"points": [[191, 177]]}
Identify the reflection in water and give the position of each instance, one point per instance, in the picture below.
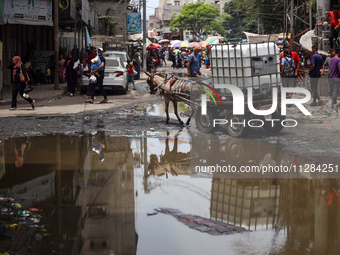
{"points": [[172, 161], [96, 192], [251, 203], [88, 202]]}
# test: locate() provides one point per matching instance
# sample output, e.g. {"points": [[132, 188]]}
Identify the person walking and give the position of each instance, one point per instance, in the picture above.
{"points": [[98, 71], [167, 53], [314, 73], [179, 59], [327, 64], [295, 57], [334, 17], [71, 75], [287, 70], [192, 67], [163, 58], [18, 85], [137, 59], [172, 58], [199, 59], [334, 75], [207, 62], [130, 73]]}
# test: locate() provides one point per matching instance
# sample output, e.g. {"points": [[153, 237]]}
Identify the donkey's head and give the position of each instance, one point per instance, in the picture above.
{"points": [[154, 81]]}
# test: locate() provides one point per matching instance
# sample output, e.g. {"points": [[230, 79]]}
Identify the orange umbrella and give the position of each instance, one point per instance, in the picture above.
{"points": [[192, 45], [199, 45], [153, 46]]}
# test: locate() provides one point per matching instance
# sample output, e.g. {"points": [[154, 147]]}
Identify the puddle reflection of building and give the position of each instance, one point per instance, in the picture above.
{"points": [[247, 203], [53, 170], [34, 178], [108, 199], [46, 177], [306, 210]]}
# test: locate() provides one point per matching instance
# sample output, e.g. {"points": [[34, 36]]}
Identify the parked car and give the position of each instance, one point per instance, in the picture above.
{"points": [[123, 55], [115, 76]]}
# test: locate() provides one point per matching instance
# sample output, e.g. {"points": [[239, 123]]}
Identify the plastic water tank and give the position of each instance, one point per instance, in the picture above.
{"points": [[246, 65]]}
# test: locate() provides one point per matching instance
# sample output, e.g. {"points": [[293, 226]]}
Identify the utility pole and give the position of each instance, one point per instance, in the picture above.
{"points": [[310, 14], [144, 35], [292, 23], [126, 24], [56, 44]]}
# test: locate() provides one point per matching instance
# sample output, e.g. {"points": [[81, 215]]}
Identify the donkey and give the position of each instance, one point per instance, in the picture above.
{"points": [[174, 90]]}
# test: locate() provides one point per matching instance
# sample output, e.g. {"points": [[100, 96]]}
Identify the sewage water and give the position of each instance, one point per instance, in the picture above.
{"points": [[98, 193]]}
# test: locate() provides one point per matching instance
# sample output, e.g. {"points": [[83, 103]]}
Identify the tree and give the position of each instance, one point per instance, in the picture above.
{"points": [[108, 23], [253, 15], [199, 17], [237, 22]]}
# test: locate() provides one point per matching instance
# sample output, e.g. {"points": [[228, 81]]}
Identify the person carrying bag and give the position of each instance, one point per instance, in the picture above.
{"points": [[20, 83], [28, 89]]}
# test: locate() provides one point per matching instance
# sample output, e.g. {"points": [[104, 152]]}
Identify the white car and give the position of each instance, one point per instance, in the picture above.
{"points": [[123, 55], [115, 76]]}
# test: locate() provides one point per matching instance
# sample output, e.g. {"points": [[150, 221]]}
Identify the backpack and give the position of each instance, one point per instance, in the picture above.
{"points": [[289, 69]]}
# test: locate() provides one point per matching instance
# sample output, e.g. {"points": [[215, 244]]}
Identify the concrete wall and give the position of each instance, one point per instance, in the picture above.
{"points": [[119, 16]]}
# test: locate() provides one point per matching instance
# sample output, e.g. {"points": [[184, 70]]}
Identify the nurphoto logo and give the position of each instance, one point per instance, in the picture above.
{"points": [[238, 101]]}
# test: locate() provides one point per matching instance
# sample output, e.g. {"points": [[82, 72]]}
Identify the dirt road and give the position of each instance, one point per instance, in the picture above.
{"points": [[315, 136]]}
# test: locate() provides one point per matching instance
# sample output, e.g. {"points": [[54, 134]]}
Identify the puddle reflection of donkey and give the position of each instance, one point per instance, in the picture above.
{"points": [[171, 161]]}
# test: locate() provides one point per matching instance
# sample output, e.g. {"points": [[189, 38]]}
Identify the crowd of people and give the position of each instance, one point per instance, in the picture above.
{"points": [[291, 64], [293, 67], [178, 57]]}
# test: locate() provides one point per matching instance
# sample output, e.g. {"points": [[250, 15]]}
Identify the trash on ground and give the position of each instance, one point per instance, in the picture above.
{"points": [[210, 226]]}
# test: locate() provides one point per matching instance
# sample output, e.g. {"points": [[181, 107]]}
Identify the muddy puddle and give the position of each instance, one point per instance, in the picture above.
{"points": [[159, 110], [108, 193]]}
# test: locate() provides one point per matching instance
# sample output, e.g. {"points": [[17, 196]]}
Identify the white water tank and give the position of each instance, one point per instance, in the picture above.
{"points": [[246, 65]]}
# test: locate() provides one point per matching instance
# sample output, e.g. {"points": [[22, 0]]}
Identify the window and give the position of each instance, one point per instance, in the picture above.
{"points": [[112, 62]]}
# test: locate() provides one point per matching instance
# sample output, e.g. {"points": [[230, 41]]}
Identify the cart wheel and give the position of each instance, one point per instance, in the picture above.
{"points": [[234, 151], [277, 127], [236, 130], [204, 123]]}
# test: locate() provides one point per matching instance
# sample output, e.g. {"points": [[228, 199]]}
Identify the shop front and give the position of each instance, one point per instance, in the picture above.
{"points": [[25, 30]]}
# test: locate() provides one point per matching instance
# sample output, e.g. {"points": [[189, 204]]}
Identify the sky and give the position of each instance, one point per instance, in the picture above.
{"points": [[151, 5]]}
